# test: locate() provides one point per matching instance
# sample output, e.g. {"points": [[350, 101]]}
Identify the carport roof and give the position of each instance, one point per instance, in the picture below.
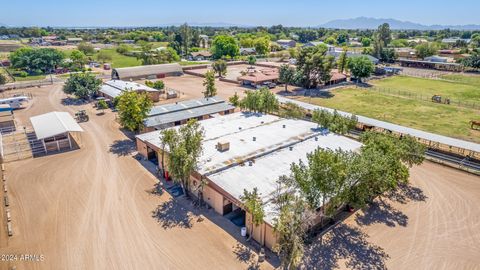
{"points": [[54, 123]]}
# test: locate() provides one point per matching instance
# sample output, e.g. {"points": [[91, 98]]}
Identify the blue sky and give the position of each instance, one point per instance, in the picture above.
{"points": [[244, 12]]}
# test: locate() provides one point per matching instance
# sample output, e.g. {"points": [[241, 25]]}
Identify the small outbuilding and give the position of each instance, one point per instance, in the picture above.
{"points": [[56, 130], [147, 72]]}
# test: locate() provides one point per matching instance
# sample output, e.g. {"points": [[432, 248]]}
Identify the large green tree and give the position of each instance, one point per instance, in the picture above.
{"points": [[286, 75], [83, 85], [425, 50], [313, 66], [224, 46], [254, 206], [262, 45], [324, 176], [289, 226], [342, 62], [209, 84], [133, 108], [382, 165], [86, 48], [79, 59], [382, 37], [36, 60], [261, 101], [361, 67], [220, 67], [335, 122], [184, 153]]}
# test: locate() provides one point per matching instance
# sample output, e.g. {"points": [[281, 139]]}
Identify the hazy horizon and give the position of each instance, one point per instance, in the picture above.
{"points": [[122, 13]]}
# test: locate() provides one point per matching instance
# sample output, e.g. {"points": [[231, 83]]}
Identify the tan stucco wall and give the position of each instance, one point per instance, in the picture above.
{"points": [[270, 237], [262, 233], [214, 199], [142, 148]]}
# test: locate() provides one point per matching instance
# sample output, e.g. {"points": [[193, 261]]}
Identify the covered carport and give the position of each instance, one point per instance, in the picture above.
{"points": [[56, 131]]}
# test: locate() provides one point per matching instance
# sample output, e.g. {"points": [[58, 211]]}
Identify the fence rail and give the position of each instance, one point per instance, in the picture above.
{"points": [[21, 85], [424, 97]]}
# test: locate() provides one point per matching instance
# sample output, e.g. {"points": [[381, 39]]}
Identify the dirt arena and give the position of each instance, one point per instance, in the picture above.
{"points": [[93, 208], [433, 224]]}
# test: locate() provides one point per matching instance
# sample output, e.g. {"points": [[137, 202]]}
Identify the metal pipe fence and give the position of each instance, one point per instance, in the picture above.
{"points": [[424, 97]]}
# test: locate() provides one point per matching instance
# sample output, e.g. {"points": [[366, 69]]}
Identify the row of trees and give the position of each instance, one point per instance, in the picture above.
{"points": [[334, 122], [260, 101], [314, 67], [330, 179]]}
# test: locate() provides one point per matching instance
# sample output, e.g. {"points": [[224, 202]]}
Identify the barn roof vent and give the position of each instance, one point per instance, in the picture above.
{"points": [[223, 146]]}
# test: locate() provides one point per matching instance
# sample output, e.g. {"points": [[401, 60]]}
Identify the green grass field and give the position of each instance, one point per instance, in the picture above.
{"points": [[119, 60], [456, 87], [442, 119]]}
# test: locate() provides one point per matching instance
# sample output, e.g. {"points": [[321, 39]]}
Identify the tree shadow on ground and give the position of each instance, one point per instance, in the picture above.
{"points": [[318, 93], [246, 255], [406, 193], [170, 214], [69, 101], [348, 244], [122, 147], [157, 190], [381, 212]]}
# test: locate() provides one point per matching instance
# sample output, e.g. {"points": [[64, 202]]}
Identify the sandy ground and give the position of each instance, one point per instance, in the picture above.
{"points": [[191, 87], [93, 208], [433, 224]]}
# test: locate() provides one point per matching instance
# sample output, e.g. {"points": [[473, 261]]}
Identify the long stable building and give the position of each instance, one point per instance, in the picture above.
{"points": [[114, 88], [242, 151], [179, 113]]}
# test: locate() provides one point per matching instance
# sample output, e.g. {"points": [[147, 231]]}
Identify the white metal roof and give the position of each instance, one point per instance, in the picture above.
{"points": [[266, 170], [270, 150], [395, 128], [54, 123], [110, 91], [125, 85]]}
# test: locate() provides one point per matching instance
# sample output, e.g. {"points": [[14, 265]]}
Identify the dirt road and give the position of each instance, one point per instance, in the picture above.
{"points": [[93, 208]]}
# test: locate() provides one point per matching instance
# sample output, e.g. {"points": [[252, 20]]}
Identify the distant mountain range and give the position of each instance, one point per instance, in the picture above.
{"points": [[3, 25], [212, 24], [373, 23]]}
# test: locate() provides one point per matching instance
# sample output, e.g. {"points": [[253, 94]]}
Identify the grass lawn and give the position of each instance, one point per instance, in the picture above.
{"points": [[436, 118], [30, 78], [119, 60], [190, 63], [461, 88]]}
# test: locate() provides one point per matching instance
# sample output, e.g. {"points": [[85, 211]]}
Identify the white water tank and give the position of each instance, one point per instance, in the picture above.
{"points": [[244, 231]]}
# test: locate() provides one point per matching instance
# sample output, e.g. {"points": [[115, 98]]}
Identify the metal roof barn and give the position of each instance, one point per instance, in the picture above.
{"points": [[170, 113], [148, 71]]}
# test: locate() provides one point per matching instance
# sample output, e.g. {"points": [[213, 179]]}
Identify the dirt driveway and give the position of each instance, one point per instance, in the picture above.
{"points": [[94, 208]]}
